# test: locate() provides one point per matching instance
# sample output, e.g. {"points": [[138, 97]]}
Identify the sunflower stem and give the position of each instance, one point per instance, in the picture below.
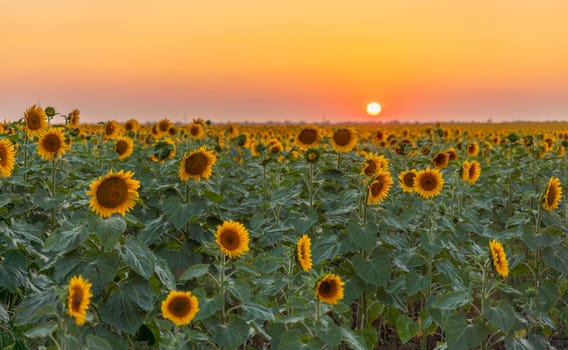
{"points": [[53, 165], [222, 286], [318, 302], [338, 160], [25, 154]]}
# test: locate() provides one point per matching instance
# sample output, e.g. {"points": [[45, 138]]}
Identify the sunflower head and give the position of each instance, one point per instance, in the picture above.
{"points": [[196, 130], [312, 155], [406, 180], [180, 307], [344, 139], [74, 118], [452, 154], [163, 150], [78, 299], [379, 187], [304, 252], [123, 147], [111, 129], [471, 171], [35, 120], [472, 149], [329, 289], [7, 157], [197, 164], [52, 144], [232, 238], [499, 258], [131, 125], [113, 193], [552, 194], [440, 160], [428, 183], [308, 137]]}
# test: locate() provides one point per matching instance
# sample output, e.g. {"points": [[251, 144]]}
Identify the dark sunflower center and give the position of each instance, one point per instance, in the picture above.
{"points": [[112, 192], [440, 159], [76, 299], [312, 156], [196, 164], [3, 156], [164, 126], [275, 149], [371, 168], [326, 289], [471, 149], [179, 306], [342, 137], [308, 136], [230, 240], [109, 129], [471, 173], [51, 143], [409, 179], [376, 188], [551, 195], [34, 122], [379, 135], [194, 131], [121, 147], [128, 126], [428, 182]]}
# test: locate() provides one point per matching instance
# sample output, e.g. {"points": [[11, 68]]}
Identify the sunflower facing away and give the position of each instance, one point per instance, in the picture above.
{"points": [[308, 137], [472, 149], [471, 171], [499, 258], [406, 180], [379, 187], [113, 193], [197, 164], [232, 238], [329, 289], [35, 120], [78, 299], [552, 194], [123, 147], [111, 129], [180, 307], [312, 155], [7, 158], [440, 160], [74, 118], [304, 252], [373, 163], [51, 144], [428, 183], [343, 139], [163, 150]]}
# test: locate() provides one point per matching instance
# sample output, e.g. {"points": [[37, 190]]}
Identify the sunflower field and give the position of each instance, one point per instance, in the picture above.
{"points": [[123, 235]]}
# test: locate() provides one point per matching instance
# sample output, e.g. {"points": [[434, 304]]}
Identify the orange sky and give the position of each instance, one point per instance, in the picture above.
{"points": [[316, 60]]}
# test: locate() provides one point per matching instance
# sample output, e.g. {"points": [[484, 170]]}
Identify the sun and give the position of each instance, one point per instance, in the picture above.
{"points": [[373, 109]]}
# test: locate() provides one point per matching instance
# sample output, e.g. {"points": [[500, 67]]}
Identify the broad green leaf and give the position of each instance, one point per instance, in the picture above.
{"points": [[208, 306], [108, 230], [452, 300], [369, 337], [36, 307], [138, 257], [126, 307], [154, 230], [295, 339], [164, 274], [352, 339], [194, 271], [416, 282], [501, 315], [406, 328], [230, 335], [13, 269], [96, 343], [41, 331], [330, 335], [257, 311], [4, 317], [557, 258], [376, 270], [179, 213], [464, 336], [303, 221], [62, 241], [362, 237]]}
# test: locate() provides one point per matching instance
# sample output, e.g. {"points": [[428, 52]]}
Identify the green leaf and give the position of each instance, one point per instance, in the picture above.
{"points": [[36, 307], [376, 270], [138, 257], [557, 258], [13, 269], [230, 335], [257, 311], [96, 343], [352, 339], [179, 213], [464, 336], [303, 221], [362, 237], [295, 339], [4, 317], [108, 230], [330, 335], [194, 271], [126, 307], [154, 230], [207, 306], [406, 328], [369, 336], [502, 316], [416, 282], [42, 330], [452, 300], [164, 274], [62, 241]]}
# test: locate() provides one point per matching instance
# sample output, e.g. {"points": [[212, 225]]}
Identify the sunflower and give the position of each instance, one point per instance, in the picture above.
{"points": [[552, 194], [7, 158], [52, 144], [304, 252], [163, 126], [232, 238], [308, 137], [164, 149], [196, 130], [124, 146], [440, 160], [275, 149], [471, 171], [406, 180], [180, 307], [329, 289], [472, 149], [452, 154], [499, 258], [428, 183], [113, 193], [197, 164], [343, 139], [111, 129], [78, 299], [379, 187], [131, 125], [312, 155], [74, 118], [374, 163], [35, 120]]}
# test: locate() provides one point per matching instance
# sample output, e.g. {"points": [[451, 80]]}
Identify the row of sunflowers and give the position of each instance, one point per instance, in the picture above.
{"points": [[122, 235]]}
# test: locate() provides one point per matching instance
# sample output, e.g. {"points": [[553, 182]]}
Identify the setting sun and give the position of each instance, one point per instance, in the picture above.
{"points": [[373, 109]]}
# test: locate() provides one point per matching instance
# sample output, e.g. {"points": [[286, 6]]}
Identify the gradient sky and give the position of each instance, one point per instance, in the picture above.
{"points": [[309, 60]]}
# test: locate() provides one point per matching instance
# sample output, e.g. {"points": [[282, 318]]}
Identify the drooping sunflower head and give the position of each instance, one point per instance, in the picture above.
{"points": [[197, 164], [196, 130], [499, 258], [379, 187], [74, 118], [35, 120], [406, 180], [552, 194], [471, 171], [52, 144], [163, 150], [7, 157], [123, 147], [78, 299], [113, 193], [428, 183], [343, 139], [232, 237], [440, 160], [312, 155], [329, 289], [308, 137], [304, 252], [373, 163], [180, 307]]}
